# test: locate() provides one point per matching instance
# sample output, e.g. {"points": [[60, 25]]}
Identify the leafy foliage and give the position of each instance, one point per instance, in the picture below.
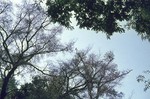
{"points": [[101, 15], [42, 87]]}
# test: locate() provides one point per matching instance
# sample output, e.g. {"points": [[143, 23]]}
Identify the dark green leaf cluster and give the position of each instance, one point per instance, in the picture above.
{"points": [[100, 15], [42, 87], [140, 21]]}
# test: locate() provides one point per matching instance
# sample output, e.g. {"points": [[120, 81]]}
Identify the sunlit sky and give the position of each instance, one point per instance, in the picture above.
{"points": [[130, 53]]}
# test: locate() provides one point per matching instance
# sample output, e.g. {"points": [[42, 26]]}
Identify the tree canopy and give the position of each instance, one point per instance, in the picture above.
{"points": [[103, 15], [85, 76]]}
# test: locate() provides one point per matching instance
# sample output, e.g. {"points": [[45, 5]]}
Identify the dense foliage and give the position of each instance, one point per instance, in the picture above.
{"points": [[103, 15]]}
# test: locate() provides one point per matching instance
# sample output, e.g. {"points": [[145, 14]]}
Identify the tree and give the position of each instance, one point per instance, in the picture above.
{"points": [[101, 15], [84, 76], [25, 37], [89, 76]]}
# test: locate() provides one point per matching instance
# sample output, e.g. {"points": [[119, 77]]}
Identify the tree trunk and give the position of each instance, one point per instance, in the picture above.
{"points": [[4, 88], [5, 83]]}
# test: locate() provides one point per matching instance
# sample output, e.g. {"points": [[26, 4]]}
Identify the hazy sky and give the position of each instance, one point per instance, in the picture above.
{"points": [[130, 53]]}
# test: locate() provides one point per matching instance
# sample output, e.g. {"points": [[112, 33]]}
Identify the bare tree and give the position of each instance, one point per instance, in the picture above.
{"points": [[88, 76], [85, 76], [25, 36]]}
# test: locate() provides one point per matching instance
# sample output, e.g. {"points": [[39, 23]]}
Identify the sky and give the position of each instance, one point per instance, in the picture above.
{"points": [[131, 53]]}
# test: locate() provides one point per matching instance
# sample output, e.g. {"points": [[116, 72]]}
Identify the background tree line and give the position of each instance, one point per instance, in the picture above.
{"points": [[85, 75]]}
